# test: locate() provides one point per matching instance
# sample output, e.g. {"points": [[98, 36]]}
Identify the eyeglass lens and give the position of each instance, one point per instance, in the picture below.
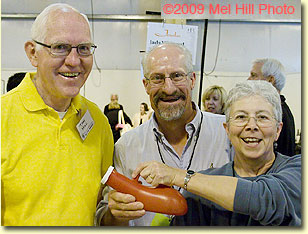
{"points": [[261, 120], [176, 77], [65, 49]]}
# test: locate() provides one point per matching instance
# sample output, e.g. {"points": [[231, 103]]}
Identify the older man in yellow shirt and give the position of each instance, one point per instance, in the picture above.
{"points": [[55, 144]]}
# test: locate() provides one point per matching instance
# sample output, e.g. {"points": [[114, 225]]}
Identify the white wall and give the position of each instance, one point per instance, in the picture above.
{"points": [[120, 42]]}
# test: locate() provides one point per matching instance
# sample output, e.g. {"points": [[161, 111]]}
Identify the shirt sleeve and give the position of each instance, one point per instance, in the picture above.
{"points": [[272, 199], [107, 147], [119, 157], [101, 207]]}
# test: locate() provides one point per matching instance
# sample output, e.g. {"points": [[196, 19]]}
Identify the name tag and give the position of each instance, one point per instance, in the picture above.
{"points": [[85, 125]]}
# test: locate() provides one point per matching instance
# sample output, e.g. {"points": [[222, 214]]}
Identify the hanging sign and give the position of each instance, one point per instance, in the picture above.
{"points": [[186, 35]]}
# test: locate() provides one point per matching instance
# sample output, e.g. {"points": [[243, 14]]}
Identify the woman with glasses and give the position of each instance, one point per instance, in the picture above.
{"points": [[260, 186]]}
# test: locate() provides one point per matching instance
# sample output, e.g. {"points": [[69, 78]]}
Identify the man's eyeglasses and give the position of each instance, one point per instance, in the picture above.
{"points": [[177, 78], [62, 49], [262, 120]]}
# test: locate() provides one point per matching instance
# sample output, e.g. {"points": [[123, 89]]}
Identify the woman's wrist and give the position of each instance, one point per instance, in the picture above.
{"points": [[179, 178]]}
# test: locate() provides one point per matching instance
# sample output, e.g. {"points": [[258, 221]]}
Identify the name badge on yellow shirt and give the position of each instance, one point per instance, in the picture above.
{"points": [[85, 125]]}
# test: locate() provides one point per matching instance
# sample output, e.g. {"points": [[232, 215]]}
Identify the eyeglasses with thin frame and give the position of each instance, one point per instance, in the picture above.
{"points": [[177, 78], [262, 120], [62, 49]]}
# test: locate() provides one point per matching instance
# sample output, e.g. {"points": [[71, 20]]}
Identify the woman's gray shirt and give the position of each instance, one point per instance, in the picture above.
{"points": [[273, 198]]}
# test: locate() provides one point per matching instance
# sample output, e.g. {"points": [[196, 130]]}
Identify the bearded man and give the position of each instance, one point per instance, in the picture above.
{"points": [[178, 134]]}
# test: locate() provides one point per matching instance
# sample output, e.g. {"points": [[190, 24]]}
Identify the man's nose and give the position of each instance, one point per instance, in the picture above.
{"points": [[168, 86], [73, 58]]}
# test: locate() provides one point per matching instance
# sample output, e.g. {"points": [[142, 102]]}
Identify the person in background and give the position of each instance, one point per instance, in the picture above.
{"points": [[213, 99], [272, 71], [14, 80], [55, 144], [178, 134], [112, 112], [260, 187], [142, 116]]}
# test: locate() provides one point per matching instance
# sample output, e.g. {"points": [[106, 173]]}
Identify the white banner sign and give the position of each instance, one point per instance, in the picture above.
{"points": [[186, 35]]}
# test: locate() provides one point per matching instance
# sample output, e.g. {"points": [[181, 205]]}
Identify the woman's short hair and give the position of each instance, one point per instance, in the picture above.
{"points": [[255, 87], [216, 90], [39, 29], [185, 51]]}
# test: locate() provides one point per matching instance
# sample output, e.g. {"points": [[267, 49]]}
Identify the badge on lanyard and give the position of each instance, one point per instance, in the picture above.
{"points": [[85, 125]]}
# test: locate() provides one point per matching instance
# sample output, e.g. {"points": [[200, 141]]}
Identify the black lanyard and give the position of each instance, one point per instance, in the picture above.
{"points": [[192, 155]]}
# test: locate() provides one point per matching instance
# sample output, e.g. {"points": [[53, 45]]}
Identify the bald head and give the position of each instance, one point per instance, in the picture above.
{"points": [[46, 18], [167, 53]]}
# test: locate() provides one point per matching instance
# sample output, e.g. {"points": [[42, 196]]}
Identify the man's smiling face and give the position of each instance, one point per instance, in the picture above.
{"points": [[169, 101], [63, 76]]}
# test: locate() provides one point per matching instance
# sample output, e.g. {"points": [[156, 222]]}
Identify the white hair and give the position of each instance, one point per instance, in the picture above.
{"points": [[272, 67], [255, 87]]}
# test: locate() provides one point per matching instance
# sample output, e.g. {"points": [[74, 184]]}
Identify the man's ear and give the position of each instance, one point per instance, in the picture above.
{"points": [[272, 80], [193, 80], [146, 85], [31, 53]]}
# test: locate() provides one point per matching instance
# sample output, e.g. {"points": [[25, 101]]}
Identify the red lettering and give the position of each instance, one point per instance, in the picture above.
{"points": [[270, 9], [224, 10], [262, 7], [214, 11], [220, 9], [293, 10], [177, 11]]}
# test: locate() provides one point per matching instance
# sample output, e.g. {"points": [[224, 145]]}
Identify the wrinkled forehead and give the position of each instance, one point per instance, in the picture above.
{"points": [[166, 58]]}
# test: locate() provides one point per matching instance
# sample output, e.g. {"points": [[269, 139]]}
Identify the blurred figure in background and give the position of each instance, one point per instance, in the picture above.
{"points": [[272, 71], [142, 116], [112, 112], [15, 80], [213, 99]]}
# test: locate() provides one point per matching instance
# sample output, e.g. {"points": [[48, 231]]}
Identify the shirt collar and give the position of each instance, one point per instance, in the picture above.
{"points": [[194, 124], [32, 101], [30, 98]]}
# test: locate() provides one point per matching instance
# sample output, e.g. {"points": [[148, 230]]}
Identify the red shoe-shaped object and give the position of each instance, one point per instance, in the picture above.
{"points": [[162, 199]]}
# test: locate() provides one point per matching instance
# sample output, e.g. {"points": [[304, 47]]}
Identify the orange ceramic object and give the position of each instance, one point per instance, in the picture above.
{"points": [[162, 199]]}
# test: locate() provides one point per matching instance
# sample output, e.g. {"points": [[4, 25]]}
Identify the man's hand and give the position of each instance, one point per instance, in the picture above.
{"points": [[122, 208]]}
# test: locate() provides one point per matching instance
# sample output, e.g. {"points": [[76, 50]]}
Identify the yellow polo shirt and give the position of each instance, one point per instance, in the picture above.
{"points": [[49, 175]]}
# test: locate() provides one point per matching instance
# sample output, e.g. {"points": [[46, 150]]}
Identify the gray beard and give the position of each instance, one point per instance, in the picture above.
{"points": [[171, 113]]}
